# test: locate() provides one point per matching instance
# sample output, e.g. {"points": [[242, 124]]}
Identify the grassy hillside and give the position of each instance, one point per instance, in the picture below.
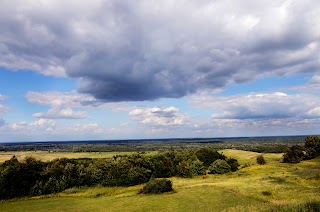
{"points": [[273, 186], [48, 156]]}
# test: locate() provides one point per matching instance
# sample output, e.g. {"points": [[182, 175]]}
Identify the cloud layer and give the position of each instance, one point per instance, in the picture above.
{"points": [[158, 117], [69, 100], [276, 105], [47, 129], [57, 113], [144, 50], [3, 108]]}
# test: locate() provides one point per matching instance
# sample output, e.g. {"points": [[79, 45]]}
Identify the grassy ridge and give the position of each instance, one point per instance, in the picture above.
{"points": [[254, 188], [200, 198], [48, 156], [247, 157]]}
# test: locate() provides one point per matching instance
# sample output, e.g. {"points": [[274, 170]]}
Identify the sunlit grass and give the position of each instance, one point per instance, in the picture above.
{"points": [[274, 185], [48, 155], [247, 157], [200, 198]]}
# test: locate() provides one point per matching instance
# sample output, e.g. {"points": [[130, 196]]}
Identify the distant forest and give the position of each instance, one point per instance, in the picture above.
{"points": [[275, 144]]}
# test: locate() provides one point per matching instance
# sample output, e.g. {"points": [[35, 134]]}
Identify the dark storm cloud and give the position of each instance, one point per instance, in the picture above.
{"points": [[144, 50]]}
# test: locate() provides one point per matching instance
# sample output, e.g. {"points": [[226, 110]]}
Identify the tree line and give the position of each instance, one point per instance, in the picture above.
{"points": [[310, 150], [32, 177]]}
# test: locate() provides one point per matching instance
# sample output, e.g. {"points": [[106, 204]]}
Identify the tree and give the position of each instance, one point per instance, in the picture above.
{"points": [[312, 146], [17, 179], [261, 160], [219, 167], [190, 168], [294, 154], [233, 163], [208, 156], [163, 164]]}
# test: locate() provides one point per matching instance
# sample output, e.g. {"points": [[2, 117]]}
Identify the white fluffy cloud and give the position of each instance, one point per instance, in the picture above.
{"points": [[312, 86], [31, 127], [57, 113], [158, 117], [70, 100], [62, 104], [276, 105], [143, 50], [3, 108], [66, 99], [48, 129]]}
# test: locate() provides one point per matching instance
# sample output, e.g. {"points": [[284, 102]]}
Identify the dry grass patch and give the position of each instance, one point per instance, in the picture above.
{"points": [[48, 155]]}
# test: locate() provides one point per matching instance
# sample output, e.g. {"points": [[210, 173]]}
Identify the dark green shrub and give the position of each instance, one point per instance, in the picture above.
{"points": [[208, 156], [219, 167], [157, 186], [266, 193], [312, 146], [313, 206], [233, 163], [17, 178], [190, 168], [126, 173], [261, 160], [245, 165], [164, 164], [294, 154]]}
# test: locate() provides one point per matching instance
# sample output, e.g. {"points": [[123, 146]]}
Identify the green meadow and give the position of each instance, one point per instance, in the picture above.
{"points": [[274, 186], [49, 155]]}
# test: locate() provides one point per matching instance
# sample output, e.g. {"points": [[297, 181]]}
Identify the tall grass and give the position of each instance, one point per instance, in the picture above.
{"points": [[313, 206]]}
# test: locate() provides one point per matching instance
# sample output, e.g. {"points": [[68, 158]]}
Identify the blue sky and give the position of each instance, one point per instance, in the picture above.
{"points": [[119, 70]]}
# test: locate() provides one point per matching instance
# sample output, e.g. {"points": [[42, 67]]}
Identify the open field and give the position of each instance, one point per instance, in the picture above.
{"points": [[254, 188], [247, 157], [48, 156], [244, 157]]}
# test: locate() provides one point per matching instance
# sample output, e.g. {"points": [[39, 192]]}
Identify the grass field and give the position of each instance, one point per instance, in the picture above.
{"points": [[48, 156], [254, 188]]}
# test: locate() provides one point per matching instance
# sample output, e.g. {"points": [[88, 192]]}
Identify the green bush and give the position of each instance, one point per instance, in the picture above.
{"points": [[157, 186], [208, 156], [312, 146], [219, 167], [234, 164], [190, 168], [261, 160], [294, 154], [266, 193]]}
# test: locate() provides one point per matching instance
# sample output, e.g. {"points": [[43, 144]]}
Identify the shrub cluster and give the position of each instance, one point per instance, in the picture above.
{"points": [[219, 167], [310, 150], [215, 162], [157, 186], [261, 160], [33, 177], [208, 156], [312, 147], [294, 154]]}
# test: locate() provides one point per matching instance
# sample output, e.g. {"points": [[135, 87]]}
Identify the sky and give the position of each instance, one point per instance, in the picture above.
{"points": [[120, 69]]}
